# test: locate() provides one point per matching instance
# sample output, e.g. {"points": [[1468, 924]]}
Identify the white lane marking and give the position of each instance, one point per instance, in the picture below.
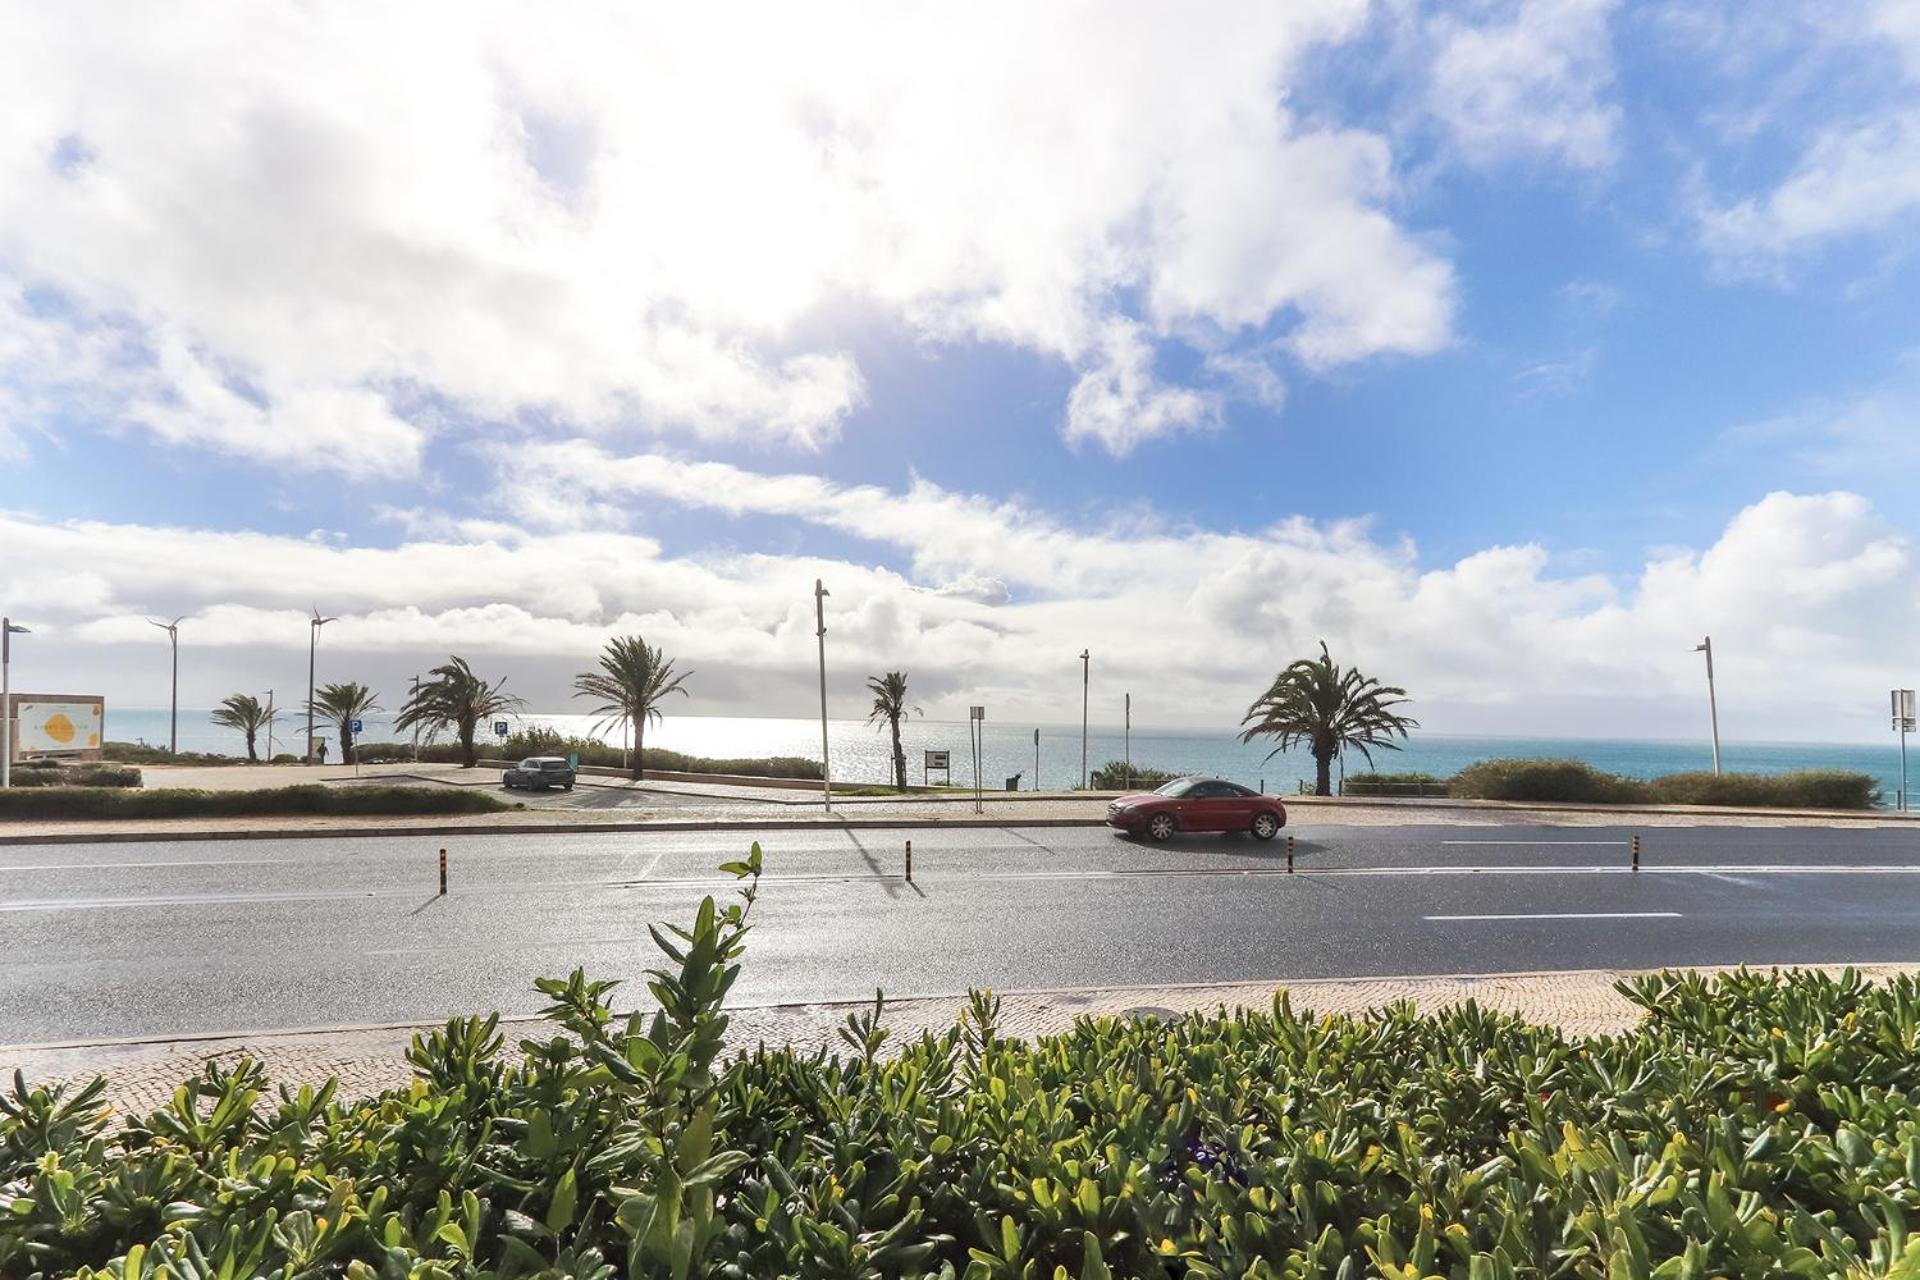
{"points": [[1570, 915], [140, 866], [1541, 843]]}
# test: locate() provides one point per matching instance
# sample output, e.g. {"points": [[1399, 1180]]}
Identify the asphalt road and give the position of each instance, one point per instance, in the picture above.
{"points": [[116, 940]]}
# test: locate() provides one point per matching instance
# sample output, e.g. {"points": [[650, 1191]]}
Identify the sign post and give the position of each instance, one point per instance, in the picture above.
{"points": [[1903, 722], [941, 760], [1036, 759], [353, 727], [976, 730]]}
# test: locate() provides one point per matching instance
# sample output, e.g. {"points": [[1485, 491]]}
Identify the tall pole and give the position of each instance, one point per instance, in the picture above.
{"points": [[1086, 666], [1713, 704], [1036, 759], [1129, 742], [416, 724], [820, 594], [313, 644], [7, 632], [269, 726], [173, 730]]}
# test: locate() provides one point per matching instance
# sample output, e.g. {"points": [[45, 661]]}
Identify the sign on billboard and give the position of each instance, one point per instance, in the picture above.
{"points": [[57, 726]]}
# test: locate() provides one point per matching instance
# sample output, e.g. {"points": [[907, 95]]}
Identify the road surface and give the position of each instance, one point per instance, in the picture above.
{"points": [[155, 939]]}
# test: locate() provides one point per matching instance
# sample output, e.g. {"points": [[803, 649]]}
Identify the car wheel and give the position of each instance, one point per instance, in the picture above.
{"points": [[1162, 826], [1265, 826], [569, 786]]}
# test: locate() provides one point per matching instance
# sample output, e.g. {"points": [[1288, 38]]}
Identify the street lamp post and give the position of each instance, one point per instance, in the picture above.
{"points": [[8, 630], [173, 726], [820, 594], [1128, 740], [313, 644], [269, 726], [1713, 705], [1086, 666], [416, 724]]}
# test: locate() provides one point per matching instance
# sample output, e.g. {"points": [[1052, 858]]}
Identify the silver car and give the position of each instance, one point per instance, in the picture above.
{"points": [[537, 773]]}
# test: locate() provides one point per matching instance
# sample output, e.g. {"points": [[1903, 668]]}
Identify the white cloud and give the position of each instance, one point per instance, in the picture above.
{"points": [[1527, 79], [1806, 596], [638, 218], [1854, 132]]}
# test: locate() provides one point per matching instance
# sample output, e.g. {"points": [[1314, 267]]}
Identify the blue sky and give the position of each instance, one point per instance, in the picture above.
{"points": [[1509, 346]]}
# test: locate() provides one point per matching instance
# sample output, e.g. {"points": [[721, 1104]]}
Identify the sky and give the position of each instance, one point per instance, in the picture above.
{"points": [[1508, 347]]}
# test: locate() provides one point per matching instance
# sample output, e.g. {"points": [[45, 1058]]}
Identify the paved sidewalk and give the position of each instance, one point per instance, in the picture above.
{"points": [[143, 1074]]}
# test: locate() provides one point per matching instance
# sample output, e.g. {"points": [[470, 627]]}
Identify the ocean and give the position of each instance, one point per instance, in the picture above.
{"points": [[860, 752]]}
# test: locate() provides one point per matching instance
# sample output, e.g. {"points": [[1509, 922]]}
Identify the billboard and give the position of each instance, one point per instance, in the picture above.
{"points": [[57, 725]]}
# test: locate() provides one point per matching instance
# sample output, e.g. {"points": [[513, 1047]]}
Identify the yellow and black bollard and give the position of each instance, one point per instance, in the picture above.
{"points": [[1289, 855], [443, 873], [909, 862], [1636, 853]]}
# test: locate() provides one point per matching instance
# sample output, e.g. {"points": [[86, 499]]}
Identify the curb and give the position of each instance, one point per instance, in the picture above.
{"points": [[545, 828], [1119, 989]]}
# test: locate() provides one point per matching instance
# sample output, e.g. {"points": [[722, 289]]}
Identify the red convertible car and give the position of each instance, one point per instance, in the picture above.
{"points": [[1198, 804]]}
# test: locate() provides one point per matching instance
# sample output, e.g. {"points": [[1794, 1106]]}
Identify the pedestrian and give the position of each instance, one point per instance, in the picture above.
{"points": [[323, 751]]}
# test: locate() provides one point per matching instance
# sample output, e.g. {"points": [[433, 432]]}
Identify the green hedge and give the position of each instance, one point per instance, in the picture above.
{"points": [[1800, 789], [1576, 781], [79, 775], [141, 753], [1755, 1126], [107, 802], [547, 742], [1117, 775], [1394, 784]]}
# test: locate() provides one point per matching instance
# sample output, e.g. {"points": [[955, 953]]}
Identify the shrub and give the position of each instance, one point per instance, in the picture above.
{"points": [[1755, 1125], [141, 753], [285, 757], [79, 775], [172, 802], [1394, 784], [1799, 789], [1568, 780], [1117, 775]]}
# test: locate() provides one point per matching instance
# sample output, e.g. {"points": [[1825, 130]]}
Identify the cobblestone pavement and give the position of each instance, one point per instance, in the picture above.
{"points": [[367, 1060]]}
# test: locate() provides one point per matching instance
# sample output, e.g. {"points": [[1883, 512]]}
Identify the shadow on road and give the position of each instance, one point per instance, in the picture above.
{"points": [[892, 879]]}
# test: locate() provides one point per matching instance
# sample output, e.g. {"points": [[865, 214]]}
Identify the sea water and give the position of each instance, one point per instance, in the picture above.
{"points": [[861, 751]]}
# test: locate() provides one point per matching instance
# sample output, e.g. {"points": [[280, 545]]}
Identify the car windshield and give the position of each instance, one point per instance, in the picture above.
{"points": [[529, 763], [1178, 787]]}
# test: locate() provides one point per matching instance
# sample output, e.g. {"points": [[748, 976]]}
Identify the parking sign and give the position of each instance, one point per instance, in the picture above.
{"points": [[354, 726], [499, 728]]}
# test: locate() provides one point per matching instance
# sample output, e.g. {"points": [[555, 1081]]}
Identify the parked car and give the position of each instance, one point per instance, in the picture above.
{"points": [[537, 773], [1198, 804]]}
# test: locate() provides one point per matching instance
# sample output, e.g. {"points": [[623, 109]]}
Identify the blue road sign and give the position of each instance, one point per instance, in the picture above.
{"points": [[354, 726], [499, 728]]}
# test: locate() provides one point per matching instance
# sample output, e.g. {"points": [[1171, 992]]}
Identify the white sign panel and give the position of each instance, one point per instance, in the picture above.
{"points": [[48, 727]]}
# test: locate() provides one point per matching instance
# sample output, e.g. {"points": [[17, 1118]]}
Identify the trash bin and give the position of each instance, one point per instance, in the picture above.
{"points": [[1013, 783]]}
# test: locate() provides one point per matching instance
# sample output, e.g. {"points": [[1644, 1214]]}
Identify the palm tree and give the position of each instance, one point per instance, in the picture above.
{"points": [[343, 704], [244, 712], [889, 706], [457, 699], [1328, 708], [633, 680]]}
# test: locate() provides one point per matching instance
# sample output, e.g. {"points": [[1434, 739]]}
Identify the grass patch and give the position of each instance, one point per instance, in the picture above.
{"points": [[1754, 1125], [106, 802]]}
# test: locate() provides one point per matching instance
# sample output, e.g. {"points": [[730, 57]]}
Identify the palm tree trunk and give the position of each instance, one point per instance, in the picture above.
{"points": [[346, 742], [633, 761], [253, 757], [466, 746], [899, 757], [1323, 773], [639, 748]]}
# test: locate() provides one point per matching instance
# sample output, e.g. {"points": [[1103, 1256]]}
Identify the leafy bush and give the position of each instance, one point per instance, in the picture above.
{"points": [[141, 753], [1800, 789], [1756, 1125], [1117, 775], [79, 775], [1394, 784], [285, 757], [167, 802], [1569, 780]]}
